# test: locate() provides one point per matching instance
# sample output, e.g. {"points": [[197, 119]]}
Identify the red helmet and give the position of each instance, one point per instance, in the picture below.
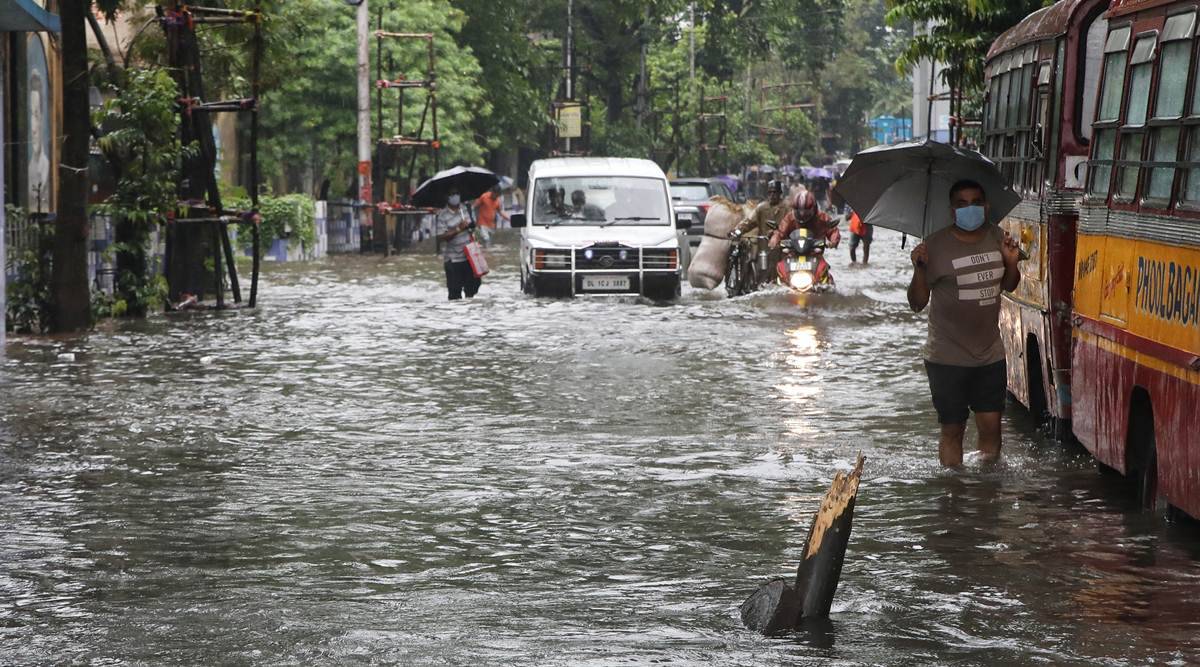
{"points": [[805, 205]]}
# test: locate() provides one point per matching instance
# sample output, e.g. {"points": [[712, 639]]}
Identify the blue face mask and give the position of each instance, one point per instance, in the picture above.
{"points": [[970, 218]]}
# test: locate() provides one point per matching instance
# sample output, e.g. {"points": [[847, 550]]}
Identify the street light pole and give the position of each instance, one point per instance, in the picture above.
{"points": [[364, 116]]}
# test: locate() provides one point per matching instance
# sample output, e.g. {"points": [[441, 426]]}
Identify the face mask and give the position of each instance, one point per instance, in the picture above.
{"points": [[454, 200], [969, 218]]}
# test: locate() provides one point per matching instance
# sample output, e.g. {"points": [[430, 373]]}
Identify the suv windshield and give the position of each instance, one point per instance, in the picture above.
{"points": [[599, 200], [689, 192]]}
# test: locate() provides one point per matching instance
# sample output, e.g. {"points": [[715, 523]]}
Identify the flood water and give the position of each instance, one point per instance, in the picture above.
{"points": [[361, 472]]}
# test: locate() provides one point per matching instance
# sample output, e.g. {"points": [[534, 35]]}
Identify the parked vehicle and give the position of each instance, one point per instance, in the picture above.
{"points": [[691, 198], [803, 267], [599, 226], [1088, 114]]}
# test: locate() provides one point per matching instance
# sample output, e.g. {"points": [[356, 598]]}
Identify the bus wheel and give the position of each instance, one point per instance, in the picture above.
{"points": [[1143, 453], [1039, 406]]}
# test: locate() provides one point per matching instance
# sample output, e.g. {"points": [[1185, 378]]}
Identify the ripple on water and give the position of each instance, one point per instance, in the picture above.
{"points": [[360, 470]]}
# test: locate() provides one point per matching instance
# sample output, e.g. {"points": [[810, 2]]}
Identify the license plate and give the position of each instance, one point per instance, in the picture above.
{"points": [[605, 283]]}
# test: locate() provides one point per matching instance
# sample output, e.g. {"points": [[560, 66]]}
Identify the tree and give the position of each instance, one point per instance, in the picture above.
{"points": [[71, 303], [514, 71], [140, 139], [862, 80], [959, 34]]}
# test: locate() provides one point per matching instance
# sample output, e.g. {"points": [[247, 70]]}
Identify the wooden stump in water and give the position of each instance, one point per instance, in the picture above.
{"points": [[777, 606]]}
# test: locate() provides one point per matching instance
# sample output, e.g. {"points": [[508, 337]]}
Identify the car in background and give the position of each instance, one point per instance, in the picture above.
{"points": [[691, 199]]}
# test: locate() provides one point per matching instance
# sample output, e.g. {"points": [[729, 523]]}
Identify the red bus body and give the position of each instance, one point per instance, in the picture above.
{"points": [[1107, 331]]}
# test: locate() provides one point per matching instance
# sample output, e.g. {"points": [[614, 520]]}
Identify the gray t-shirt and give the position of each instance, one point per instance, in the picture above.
{"points": [[964, 304], [445, 220]]}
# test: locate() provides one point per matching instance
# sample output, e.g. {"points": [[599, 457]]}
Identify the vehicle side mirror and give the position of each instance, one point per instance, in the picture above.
{"points": [[517, 220], [682, 223]]}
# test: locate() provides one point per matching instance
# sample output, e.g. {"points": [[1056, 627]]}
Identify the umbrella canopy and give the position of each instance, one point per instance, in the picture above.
{"points": [[906, 187], [730, 181], [816, 172], [470, 182]]}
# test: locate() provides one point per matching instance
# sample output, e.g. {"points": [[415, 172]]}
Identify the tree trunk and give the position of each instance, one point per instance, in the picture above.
{"points": [[72, 309], [778, 606]]}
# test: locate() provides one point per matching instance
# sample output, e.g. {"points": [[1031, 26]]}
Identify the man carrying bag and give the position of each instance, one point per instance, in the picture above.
{"points": [[455, 229]]}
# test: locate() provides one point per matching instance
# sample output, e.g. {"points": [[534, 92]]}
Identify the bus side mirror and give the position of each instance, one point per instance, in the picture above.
{"points": [[518, 220]]}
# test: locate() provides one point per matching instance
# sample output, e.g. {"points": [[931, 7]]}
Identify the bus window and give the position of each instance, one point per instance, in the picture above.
{"points": [[1174, 64], [1093, 61], [1127, 171], [1014, 96], [1133, 134], [1101, 168], [1139, 84], [1166, 150], [1191, 179], [1114, 75]]}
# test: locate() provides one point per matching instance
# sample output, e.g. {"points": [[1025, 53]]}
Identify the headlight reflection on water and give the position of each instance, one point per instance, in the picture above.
{"points": [[802, 384]]}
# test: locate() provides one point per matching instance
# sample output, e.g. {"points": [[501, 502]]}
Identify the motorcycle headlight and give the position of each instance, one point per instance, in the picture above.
{"points": [[801, 280]]}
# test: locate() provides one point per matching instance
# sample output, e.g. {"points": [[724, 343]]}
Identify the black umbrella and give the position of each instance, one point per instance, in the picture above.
{"points": [[470, 182]]}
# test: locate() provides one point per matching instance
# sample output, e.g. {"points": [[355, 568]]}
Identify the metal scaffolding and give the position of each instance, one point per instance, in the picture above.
{"points": [[712, 113], [200, 196], [396, 154]]}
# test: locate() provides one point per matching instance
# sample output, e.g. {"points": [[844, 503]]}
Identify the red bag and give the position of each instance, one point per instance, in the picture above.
{"points": [[475, 258]]}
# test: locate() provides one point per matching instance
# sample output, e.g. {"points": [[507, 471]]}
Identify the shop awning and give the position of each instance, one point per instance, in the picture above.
{"points": [[26, 16]]}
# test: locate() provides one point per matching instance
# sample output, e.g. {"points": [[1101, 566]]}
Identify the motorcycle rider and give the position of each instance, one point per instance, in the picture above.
{"points": [[765, 220], [806, 214]]}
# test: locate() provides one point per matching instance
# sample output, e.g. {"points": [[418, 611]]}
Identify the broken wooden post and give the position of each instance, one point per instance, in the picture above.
{"points": [[777, 606]]}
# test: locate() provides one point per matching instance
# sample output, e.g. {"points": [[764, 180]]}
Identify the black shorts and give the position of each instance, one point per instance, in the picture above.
{"points": [[959, 390]]}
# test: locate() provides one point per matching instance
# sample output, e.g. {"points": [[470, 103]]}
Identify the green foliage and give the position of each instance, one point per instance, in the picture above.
{"points": [[513, 72], [862, 82], [291, 217], [28, 295], [140, 140], [308, 118], [960, 34]]}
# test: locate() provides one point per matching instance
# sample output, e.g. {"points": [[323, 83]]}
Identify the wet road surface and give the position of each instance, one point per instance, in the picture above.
{"points": [[361, 472]]}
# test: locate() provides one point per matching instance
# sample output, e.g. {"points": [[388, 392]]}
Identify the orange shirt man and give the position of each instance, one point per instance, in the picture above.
{"points": [[487, 207]]}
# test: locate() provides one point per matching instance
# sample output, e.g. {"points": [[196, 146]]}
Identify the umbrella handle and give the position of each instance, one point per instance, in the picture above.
{"points": [[903, 241]]}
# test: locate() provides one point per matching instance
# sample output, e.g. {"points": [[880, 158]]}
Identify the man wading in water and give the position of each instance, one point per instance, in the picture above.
{"points": [[962, 269]]}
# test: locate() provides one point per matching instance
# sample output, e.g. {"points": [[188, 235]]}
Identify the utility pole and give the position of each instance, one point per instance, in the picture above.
{"points": [[642, 84], [569, 57], [692, 43], [365, 195]]}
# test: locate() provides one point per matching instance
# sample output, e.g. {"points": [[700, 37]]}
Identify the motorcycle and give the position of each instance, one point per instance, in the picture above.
{"points": [[803, 267]]}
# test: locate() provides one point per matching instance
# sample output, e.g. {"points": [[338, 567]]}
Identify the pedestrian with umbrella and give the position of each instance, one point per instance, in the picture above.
{"points": [[454, 227], [952, 198]]}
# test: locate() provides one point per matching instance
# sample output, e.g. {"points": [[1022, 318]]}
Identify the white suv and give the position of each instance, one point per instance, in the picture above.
{"points": [[599, 226]]}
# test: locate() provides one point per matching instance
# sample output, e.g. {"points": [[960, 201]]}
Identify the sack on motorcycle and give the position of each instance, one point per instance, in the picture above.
{"points": [[709, 263], [712, 257], [722, 218]]}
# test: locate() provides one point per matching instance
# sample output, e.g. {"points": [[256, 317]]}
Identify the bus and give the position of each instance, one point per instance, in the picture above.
{"points": [[1113, 304], [1041, 83]]}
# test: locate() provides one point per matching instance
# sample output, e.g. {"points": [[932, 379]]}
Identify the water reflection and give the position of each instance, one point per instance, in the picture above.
{"points": [[361, 471]]}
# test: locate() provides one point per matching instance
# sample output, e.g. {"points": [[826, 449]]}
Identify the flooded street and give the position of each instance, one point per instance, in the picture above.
{"points": [[362, 472]]}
